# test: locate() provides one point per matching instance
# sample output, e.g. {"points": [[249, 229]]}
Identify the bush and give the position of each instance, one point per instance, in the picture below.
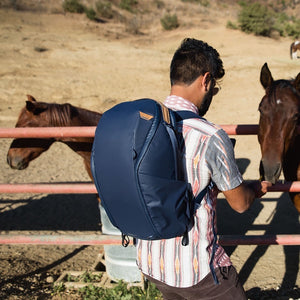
{"points": [[128, 4], [201, 2], [169, 21], [231, 25], [256, 18], [104, 9], [293, 29], [73, 6], [159, 4], [120, 291], [90, 13], [281, 19]]}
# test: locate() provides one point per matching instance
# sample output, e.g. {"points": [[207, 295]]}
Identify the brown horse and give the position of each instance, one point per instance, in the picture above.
{"points": [[278, 137], [42, 114], [295, 46]]}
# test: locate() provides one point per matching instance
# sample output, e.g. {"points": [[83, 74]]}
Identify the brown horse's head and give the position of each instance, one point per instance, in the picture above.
{"points": [[43, 114], [23, 150], [279, 116]]}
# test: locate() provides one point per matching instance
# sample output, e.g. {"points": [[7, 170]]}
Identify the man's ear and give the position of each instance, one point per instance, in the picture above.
{"points": [[206, 80]]}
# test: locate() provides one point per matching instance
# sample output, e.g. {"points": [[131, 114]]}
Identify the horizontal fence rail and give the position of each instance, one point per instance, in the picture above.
{"points": [[89, 131], [99, 239], [48, 188], [89, 188], [280, 239], [47, 132]]}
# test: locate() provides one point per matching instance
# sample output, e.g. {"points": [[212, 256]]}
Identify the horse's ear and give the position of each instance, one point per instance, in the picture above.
{"points": [[30, 106], [266, 78], [36, 107], [296, 83], [31, 98]]}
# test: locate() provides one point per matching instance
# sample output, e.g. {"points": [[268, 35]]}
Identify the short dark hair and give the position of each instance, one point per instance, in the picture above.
{"points": [[192, 59]]}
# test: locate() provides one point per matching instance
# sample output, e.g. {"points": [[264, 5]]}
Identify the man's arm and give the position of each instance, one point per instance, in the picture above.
{"points": [[241, 197]]}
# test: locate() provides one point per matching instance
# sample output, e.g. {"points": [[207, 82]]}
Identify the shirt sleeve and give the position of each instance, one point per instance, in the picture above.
{"points": [[221, 162]]}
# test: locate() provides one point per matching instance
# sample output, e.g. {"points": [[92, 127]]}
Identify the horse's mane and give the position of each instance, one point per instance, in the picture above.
{"points": [[59, 114], [62, 115]]}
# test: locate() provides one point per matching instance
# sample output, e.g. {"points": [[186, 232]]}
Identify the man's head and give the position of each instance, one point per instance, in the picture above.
{"points": [[195, 58]]}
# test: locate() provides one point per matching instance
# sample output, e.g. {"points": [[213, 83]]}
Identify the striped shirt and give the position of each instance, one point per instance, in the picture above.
{"points": [[208, 157]]}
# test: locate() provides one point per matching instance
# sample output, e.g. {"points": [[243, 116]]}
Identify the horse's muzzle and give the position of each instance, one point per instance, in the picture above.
{"points": [[16, 163], [270, 171]]}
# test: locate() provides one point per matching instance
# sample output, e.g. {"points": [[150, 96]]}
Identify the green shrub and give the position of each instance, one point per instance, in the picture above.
{"points": [[159, 4], [120, 291], [231, 25], [73, 6], [201, 2], [293, 29], [242, 3], [104, 9], [256, 18], [128, 4], [169, 21], [90, 13]]}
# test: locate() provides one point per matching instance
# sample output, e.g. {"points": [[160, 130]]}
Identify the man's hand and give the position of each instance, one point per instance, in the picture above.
{"points": [[241, 198]]}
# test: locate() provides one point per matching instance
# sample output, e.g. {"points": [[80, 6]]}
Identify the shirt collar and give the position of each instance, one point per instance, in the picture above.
{"points": [[178, 103]]}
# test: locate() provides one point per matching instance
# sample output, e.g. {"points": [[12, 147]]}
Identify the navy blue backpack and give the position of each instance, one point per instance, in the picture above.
{"points": [[138, 171]]}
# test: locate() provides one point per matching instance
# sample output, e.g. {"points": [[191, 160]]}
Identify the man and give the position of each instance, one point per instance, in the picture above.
{"points": [[202, 269]]}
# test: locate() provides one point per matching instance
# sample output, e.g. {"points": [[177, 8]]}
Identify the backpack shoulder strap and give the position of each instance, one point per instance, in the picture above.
{"points": [[183, 115]]}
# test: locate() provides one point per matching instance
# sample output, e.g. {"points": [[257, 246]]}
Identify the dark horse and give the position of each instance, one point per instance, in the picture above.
{"points": [[278, 136], [42, 114]]}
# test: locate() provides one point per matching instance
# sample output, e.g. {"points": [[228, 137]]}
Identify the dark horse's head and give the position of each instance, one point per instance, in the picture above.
{"points": [[279, 117]]}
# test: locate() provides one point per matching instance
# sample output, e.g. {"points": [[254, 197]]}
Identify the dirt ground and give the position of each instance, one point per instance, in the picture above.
{"points": [[66, 58]]}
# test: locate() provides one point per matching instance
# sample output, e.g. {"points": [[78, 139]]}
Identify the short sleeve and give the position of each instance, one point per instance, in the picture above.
{"points": [[221, 162]]}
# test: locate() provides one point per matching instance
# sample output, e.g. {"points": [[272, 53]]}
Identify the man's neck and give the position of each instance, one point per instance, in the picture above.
{"points": [[186, 92], [193, 92]]}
